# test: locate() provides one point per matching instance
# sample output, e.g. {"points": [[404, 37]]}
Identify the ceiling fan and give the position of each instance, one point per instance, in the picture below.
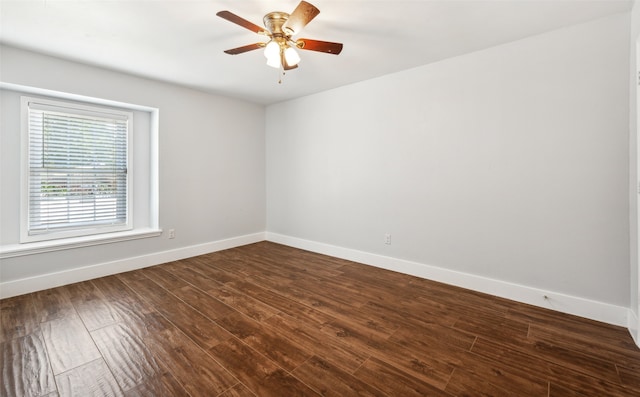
{"points": [[280, 28]]}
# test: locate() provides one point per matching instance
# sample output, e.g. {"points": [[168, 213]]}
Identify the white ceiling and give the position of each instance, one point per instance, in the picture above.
{"points": [[182, 41]]}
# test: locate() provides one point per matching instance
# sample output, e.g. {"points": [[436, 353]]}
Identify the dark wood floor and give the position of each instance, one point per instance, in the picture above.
{"points": [[268, 320]]}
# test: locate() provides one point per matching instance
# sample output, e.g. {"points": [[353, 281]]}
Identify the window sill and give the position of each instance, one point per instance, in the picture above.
{"points": [[14, 250]]}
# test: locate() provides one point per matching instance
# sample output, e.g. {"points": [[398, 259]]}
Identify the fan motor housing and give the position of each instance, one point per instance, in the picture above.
{"points": [[273, 21]]}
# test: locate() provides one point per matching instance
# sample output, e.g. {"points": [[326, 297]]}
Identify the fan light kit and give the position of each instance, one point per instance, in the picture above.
{"points": [[280, 50]]}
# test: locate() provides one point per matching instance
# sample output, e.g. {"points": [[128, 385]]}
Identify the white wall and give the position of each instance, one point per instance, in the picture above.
{"points": [[211, 155], [508, 164]]}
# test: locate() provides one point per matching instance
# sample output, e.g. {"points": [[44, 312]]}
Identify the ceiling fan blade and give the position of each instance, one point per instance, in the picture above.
{"points": [[240, 50], [300, 17], [231, 17], [321, 46]]}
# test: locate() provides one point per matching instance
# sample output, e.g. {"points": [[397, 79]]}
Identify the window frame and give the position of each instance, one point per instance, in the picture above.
{"points": [[71, 108]]}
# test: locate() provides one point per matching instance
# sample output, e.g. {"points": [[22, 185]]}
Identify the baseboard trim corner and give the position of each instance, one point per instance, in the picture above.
{"points": [[634, 326], [595, 310], [57, 279]]}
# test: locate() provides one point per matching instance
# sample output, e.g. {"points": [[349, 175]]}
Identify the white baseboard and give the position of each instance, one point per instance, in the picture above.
{"points": [[591, 309], [52, 280], [634, 326]]}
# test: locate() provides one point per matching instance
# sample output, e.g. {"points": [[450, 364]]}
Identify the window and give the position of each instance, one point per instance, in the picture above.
{"points": [[76, 177], [112, 212]]}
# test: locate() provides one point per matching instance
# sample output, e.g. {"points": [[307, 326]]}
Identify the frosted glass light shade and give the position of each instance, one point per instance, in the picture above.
{"points": [[274, 62], [272, 50], [291, 56]]}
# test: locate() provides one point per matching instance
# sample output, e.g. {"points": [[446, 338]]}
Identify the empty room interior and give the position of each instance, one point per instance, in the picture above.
{"points": [[325, 198]]}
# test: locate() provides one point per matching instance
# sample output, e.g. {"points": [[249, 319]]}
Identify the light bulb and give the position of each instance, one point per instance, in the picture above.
{"points": [[291, 56]]}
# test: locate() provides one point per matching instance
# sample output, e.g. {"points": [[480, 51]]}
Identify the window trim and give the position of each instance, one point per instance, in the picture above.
{"points": [[40, 247], [149, 229], [85, 109]]}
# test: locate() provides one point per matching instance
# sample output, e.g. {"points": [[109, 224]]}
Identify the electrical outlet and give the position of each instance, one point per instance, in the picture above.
{"points": [[387, 238], [172, 233]]}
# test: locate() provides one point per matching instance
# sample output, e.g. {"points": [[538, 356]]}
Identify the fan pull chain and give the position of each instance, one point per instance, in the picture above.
{"points": [[281, 74]]}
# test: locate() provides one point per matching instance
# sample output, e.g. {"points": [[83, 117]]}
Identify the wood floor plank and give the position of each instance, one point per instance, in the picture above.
{"points": [[184, 317], [416, 313], [163, 385], [434, 334], [192, 276], [364, 275], [235, 266], [577, 360], [164, 278], [115, 290], [245, 304], [584, 385], [438, 352], [196, 371], [257, 372], [125, 352], [17, 317], [209, 306], [419, 364], [494, 327], [561, 391], [69, 344], [269, 269], [329, 380], [263, 338], [52, 304], [395, 382], [212, 271], [25, 367], [90, 379], [573, 325], [90, 305], [281, 303], [342, 295], [319, 301], [557, 374], [238, 390], [331, 349], [600, 349], [491, 376], [630, 377], [127, 305], [465, 383], [399, 299], [280, 253], [362, 319]]}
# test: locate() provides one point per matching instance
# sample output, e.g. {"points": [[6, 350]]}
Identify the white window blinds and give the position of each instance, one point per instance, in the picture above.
{"points": [[77, 168]]}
